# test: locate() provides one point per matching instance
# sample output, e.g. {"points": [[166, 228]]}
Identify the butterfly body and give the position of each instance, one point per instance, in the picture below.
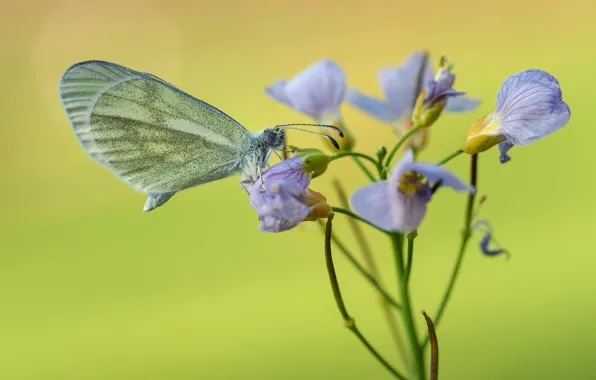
{"points": [[155, 137]]}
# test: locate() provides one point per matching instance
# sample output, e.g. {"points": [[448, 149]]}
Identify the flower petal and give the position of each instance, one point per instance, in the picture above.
{"points": [[269, 223], [277, 92], [504, 148], [461, 104], [435, 173], [317, 90], [280, 206], [372, 203], [402, 84], [407, 212], [287, 202], [400, 167], [486, 239], [370, 105], [290, 170], [440, 88], [287, 171], [530, 106]]}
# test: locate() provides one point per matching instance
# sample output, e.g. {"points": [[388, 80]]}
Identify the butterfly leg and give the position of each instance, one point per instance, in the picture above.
{"points": [[155, 200], [245, 185], [260, 172]]}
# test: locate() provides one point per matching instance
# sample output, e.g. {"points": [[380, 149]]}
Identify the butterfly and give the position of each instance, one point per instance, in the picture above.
{"points": [[157, 138]]}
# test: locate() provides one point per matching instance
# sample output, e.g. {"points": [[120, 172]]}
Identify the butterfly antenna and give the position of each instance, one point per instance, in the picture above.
{"points": [[331, 139], [336, 129]]}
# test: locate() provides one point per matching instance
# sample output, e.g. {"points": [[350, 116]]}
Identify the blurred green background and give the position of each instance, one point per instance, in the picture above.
{"points": [[92, 288]]}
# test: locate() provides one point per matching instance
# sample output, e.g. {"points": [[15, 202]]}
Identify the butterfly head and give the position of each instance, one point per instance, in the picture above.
{"points": [[274, 137]]}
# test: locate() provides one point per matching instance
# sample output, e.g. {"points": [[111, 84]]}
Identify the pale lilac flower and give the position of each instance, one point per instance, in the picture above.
{"points": [[316, 91], [403, 84], [529, 106], [399, 204], [282, 198], [440, 90]]}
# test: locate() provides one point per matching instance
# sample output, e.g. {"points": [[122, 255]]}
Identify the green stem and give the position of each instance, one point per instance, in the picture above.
{"points": [[373, 268], [368, 276], [356, 157], [450, 157], [406, 310], [411, 237], [367, 172], [349, 213], [464, 243], [353, 154], [348, 320], [401, 142]]}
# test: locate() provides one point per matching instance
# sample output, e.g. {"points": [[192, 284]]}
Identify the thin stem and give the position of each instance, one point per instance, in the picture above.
{"points": [[434, 347], [353, 154], [406, 310], [356, 157], [349, 213], [373, 269], [411, 237], [368, 276], [367, 172], [450, 157], [348, 320], [401, 142], [464, 243]]}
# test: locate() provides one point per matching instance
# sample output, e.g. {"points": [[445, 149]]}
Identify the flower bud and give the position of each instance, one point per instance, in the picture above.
{"points": [[483, 135], [315, 163], [381, 153], [427, 114]]}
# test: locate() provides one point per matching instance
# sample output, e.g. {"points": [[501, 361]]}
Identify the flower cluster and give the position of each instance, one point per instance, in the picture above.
{"points": [[281, 195], [529, 106]]}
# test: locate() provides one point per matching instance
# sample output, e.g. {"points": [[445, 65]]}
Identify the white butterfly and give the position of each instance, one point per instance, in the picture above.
{"points": [[155, 137]]}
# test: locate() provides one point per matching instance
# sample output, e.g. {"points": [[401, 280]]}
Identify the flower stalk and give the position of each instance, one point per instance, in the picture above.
{"points": [[373, 269], [466, 234], [418, 370], [349, 322], [385, 295]]}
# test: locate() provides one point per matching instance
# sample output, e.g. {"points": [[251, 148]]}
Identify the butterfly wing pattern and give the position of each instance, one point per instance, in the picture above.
{"points": [[155, 137]]}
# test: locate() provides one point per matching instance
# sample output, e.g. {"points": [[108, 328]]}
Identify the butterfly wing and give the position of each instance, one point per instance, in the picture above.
{"points": [[154, 136]]}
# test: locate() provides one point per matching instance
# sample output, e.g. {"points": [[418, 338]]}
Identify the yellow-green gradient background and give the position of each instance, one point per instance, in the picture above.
{"points": [[92, 288]]}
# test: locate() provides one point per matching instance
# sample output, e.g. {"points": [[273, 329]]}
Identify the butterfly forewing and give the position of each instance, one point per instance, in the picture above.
{"points": [[151, 134]]}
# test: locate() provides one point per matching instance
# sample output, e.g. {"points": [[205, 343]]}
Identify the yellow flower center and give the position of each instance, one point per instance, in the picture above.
{"points": [[410, 183]]}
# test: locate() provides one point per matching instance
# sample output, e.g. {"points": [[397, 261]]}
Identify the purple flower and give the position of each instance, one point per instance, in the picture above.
{"points": [[403, 84], [529, 106], [440, 89], [316, 91], [399, 204], [282, 198]]}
